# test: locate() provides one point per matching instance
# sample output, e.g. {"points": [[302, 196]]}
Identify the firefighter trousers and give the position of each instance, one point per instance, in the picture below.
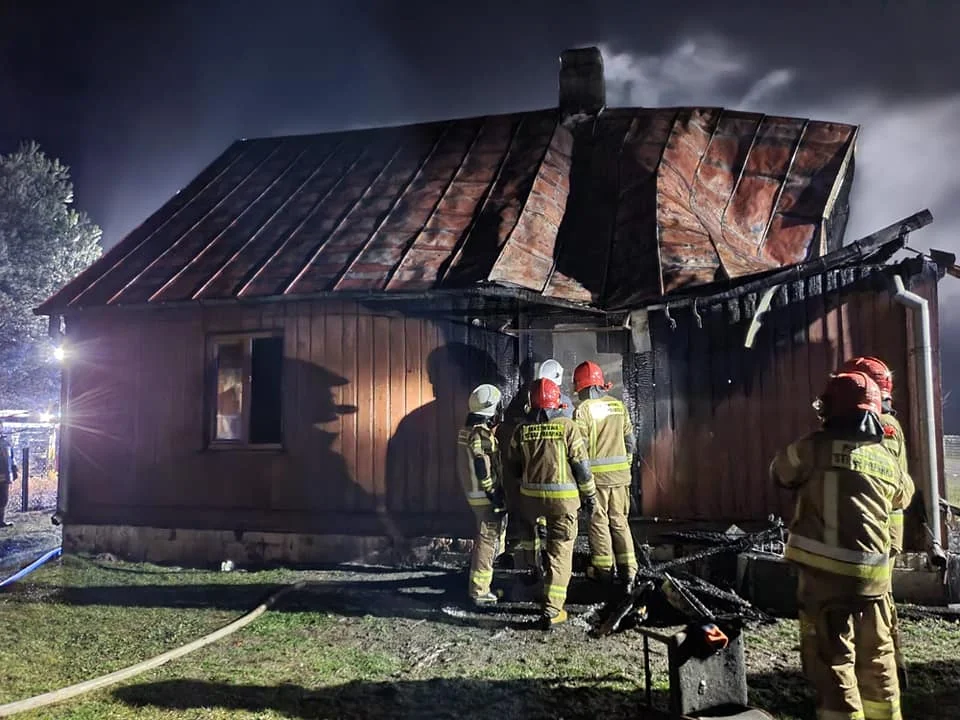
{"points": [[611, 542], [489, 529], [847, 652], [561, 535]]}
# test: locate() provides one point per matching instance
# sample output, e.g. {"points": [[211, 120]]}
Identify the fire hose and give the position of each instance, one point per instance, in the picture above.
{"points": [[31, 567], [103, 681]]}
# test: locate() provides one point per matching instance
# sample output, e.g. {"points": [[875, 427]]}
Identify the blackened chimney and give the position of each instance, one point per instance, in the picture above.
{"points": [[582, 88]]}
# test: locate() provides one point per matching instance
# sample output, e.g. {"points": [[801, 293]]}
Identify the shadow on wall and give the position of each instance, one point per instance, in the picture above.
{"points": [[421, 456], [324, 481], [435, 698]]}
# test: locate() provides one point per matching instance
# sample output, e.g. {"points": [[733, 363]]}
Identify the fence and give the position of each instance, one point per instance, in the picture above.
{"points": [[34, 450]]}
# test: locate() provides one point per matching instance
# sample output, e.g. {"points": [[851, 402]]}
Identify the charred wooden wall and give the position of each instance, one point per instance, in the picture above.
{"points": [[372, 402], [712, 413]]}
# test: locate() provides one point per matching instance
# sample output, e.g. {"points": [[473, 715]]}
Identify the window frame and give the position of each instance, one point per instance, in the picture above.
{"points": [[213, 342]]}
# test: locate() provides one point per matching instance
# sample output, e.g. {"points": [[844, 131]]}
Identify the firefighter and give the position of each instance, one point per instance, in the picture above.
{"points": [[548, 454], [8, 473], [608, 432], [893, 440], [553, 371], [847, 484], [478, 465]]}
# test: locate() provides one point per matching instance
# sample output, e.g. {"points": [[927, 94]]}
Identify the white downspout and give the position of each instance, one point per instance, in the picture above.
{"points": [[923, 346]]}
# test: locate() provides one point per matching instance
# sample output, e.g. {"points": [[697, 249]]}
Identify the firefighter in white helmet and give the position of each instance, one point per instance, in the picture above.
{"points": [[478, 466], [553, 371]]}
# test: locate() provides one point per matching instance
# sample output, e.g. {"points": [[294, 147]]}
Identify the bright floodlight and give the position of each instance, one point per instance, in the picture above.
{"points": [[46, 417], [59, 353]]}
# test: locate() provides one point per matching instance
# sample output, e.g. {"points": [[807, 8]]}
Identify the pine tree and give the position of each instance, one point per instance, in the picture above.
{"points": [[44, 243]]}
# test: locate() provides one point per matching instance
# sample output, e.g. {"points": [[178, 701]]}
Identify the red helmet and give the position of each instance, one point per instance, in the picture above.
{"points": [[588, 374], [848, 392], [874, 368], [544, 394]]}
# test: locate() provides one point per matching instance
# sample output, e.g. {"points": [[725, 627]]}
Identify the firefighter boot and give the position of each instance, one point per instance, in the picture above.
{"points": [[485, 600], [551, 617]]}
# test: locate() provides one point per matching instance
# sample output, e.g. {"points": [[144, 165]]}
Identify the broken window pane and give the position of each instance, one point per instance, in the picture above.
{"points": [[265, 391], [230, 390]]}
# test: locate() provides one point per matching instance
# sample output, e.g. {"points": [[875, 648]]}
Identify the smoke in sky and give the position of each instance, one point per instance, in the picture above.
{"points": [[906, 149]]}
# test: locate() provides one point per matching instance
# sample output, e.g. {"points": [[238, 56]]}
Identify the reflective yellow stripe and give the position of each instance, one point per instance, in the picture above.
{"points": [[881, 709], [557, 591], [588, 488], [481, 574], [604, 562], [837, 567], [839, 715], [896, 517], [542, 491], [834, 552], [626, 557], [610, 464]]}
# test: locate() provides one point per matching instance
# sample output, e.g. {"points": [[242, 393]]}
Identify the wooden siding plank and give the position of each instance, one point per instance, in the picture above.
{"points": [[662, 490], [722, 436], [360, 498], [382, 429], [700, 412], [744, 477], [684, 480], [332, 361], [403, 459], [367, 396], [430, 339], [416, 490]]}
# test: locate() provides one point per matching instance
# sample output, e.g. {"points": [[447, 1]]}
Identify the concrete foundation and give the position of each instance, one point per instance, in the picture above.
{"points": [[771, 583], [211, 547]]}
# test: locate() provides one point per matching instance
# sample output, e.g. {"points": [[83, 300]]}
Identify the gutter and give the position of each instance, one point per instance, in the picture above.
{"points": [[923, 346]]}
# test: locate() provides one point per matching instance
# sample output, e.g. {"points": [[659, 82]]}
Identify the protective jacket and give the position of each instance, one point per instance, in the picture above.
{"points": [[893, 440], [8, 468], [478, 462], [550, 458], [847, 490], [608, 432]]}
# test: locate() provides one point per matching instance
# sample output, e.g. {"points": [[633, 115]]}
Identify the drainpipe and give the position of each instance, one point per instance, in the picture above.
{"points": [[923, 346]]}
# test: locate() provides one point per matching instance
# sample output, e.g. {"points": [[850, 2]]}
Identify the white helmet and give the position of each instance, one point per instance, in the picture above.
{"points": [[484, 400], [551, 370]]}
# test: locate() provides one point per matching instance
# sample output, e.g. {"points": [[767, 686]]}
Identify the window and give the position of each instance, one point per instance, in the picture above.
{"points": [[247, 390]]}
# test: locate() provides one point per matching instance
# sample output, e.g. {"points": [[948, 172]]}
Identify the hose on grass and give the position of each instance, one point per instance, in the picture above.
{"points": [[103, 681], [31, 567]]}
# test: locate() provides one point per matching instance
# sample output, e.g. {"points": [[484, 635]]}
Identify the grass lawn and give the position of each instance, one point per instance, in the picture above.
{"points": [[364, 643]]}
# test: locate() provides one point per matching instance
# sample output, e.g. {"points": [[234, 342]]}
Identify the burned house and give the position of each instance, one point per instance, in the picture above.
{"points": [[275, 363]]}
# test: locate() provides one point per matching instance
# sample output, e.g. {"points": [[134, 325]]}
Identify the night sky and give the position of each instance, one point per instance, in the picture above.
{"points": [[138, 99]]}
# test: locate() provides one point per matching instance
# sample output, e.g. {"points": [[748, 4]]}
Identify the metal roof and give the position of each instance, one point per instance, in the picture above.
{"points": [[621, 208]]}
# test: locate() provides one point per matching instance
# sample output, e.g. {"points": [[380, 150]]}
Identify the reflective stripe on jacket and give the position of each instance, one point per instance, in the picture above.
{"points": [[477, 442], [543, 451], [846, 493], [893, 440], [607, 429]]}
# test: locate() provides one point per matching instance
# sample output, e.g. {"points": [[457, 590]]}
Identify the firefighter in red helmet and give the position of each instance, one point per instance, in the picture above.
{"points": [[548, 454], [893, 440], [608, 432], [847, 484]]}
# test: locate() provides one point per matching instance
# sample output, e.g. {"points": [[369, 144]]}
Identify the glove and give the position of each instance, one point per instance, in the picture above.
{"points": [[495, 497], [589, 503]]}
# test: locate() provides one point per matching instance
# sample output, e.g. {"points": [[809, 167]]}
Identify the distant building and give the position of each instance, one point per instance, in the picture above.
{"points": [[275, 363]]}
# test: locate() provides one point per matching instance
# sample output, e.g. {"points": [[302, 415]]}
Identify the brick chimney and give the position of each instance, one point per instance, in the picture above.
{"points": [[582, 88]]}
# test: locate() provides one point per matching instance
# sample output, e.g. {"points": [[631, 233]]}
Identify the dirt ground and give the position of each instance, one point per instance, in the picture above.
{"points": [[368, 642], [31, 535]]}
